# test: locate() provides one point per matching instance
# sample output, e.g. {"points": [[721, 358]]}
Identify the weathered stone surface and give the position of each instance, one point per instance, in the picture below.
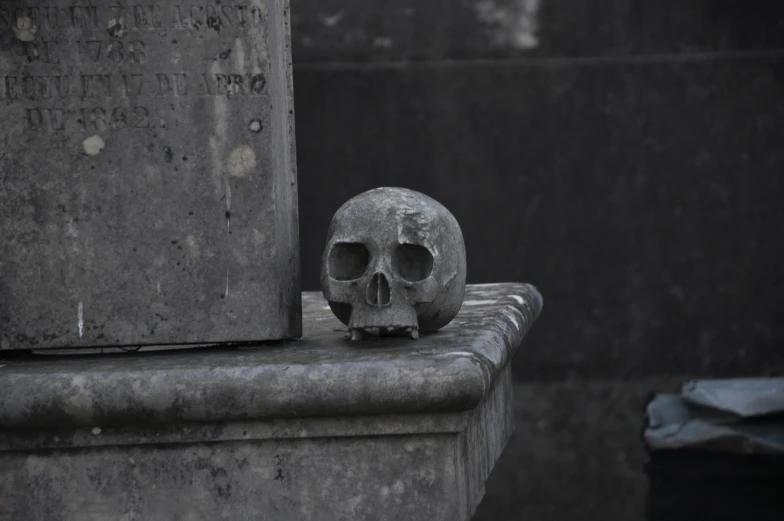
{"points": [[390, 429], [147, 174], [411, 30]]}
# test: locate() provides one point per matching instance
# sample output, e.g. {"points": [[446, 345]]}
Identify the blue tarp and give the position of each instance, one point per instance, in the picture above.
{"points": [[744, 416]]}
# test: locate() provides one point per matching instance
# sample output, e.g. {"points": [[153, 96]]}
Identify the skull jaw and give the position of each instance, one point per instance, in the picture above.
{"points": [[383, 321]]}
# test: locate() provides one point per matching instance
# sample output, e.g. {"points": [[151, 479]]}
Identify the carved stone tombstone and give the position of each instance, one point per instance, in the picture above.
{"points": [[147, 173]]}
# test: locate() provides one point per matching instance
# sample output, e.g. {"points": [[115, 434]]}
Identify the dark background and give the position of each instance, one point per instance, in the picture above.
{"points": [[626, 157]]}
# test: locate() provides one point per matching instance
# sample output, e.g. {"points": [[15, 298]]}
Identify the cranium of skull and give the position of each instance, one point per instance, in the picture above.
{"points": [[394, 263]]}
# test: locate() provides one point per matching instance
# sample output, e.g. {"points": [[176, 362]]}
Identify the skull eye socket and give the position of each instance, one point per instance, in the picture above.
{"points": [[413, 262], [348, 260]]}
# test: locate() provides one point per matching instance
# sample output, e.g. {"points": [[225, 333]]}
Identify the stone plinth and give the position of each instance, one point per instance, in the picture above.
{"points": [[318, 429]]}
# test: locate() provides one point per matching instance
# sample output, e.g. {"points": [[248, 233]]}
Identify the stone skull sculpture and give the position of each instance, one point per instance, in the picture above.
{"points": [[394, 263]]}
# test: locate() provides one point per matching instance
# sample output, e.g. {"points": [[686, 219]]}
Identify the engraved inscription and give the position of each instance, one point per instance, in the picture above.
{"points": [[124, 16], [116, 51], [85, 86], [90, 64]]}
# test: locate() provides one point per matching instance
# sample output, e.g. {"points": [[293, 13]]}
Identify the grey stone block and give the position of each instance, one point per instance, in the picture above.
{"points": [[148, 172], [321, 429]]}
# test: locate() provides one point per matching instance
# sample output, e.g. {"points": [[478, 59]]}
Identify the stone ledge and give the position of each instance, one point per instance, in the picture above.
{"points": [[322, 375], [418, 467]]}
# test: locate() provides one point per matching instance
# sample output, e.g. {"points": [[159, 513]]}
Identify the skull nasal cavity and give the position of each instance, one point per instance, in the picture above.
{"points": [[378, 290]]}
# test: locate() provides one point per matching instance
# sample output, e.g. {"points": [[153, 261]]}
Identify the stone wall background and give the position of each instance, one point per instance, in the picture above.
{"points": [[625, 156]]}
